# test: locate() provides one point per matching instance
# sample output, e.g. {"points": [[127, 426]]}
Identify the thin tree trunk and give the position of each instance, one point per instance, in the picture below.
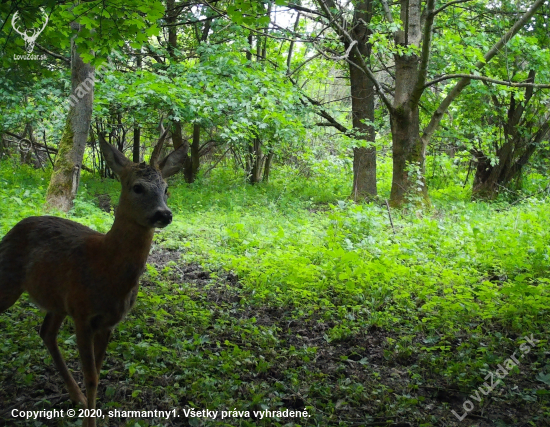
{"points": [[192, 162], [25, 149], [255, 160], [189, 173], [4, 151], [250, 42], [136, 152], [66, 174], [171, 17], [291, 47], [264, 49], [267, 166]]}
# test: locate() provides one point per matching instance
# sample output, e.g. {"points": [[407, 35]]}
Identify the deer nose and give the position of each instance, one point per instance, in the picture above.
{"points": [[162, 218]]}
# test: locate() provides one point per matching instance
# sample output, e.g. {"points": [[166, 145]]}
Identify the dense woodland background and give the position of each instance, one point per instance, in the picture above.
{"points": [[360, 197]]}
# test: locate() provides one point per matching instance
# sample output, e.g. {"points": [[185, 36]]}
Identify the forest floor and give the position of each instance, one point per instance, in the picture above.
{"points": [[284, 360], [256, 300]]}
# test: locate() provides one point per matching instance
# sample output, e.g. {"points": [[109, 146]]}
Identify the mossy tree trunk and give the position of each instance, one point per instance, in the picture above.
{"points": [[409, 151], [255, 160], [66, 174]]}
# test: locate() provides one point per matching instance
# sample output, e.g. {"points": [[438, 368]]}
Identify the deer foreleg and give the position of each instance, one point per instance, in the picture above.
{"points": [[101, 340], [85, 342]]}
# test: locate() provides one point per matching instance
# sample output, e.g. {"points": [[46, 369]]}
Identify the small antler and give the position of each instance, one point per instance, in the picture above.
{"points": [[158, 148]]}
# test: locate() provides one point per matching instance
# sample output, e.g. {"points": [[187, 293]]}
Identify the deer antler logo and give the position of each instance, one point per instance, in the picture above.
{"points": [[30, 35]]}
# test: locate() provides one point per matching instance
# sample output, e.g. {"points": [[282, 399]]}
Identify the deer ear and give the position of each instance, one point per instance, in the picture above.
{"points": [[114, 158], [173, 162]]}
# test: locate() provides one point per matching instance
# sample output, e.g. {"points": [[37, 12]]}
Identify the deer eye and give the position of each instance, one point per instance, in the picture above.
{"points": [[166, 191], [138, 188]]}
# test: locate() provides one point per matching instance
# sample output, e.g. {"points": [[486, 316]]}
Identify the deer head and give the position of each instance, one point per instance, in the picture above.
{"points": [[30, 35], [144, 190]]}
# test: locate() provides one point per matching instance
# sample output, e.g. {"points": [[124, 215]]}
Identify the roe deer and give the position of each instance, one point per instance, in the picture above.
{"points": [[70, 269]]}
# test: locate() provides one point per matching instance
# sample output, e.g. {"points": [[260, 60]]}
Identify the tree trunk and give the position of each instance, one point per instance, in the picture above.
{"points": [[409, 153], [409, 157], [362, 107], [364, 158], [177, 137], [255, 160], [484, 186], [68, 162], [191, 158]]}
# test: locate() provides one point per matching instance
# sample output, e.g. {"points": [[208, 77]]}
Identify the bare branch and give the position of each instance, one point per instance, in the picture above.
{"points": [[333, 122], [445, 6], [305, 9], [53, 54], [291, 47], [304, 63], [177, 24], [323, 113], [486, 79], [335, 100], [155, 56], [387, 11], [336, 58]]}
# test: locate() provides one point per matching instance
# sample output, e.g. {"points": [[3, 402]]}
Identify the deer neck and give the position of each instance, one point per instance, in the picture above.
{"points": [[127, 245]]}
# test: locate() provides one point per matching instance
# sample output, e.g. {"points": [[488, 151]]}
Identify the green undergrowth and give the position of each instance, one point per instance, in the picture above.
{"points": [[310, 301]]}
